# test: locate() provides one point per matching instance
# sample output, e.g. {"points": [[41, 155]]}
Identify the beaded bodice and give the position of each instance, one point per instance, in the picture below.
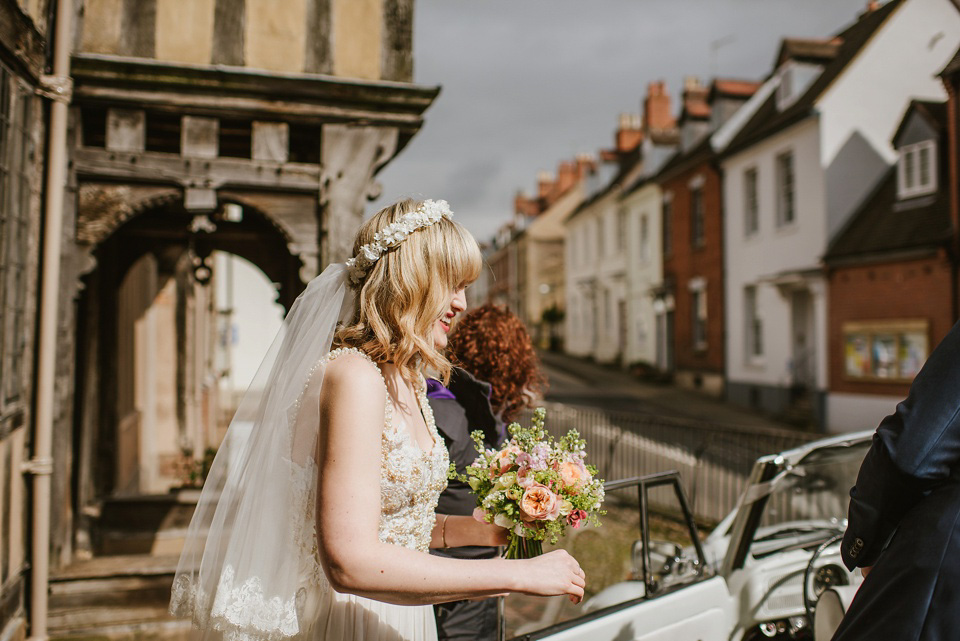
{"points": [[411, 481]]}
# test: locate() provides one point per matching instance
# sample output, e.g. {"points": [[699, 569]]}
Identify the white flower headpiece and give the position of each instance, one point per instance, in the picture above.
{"points": [[429, 213]]}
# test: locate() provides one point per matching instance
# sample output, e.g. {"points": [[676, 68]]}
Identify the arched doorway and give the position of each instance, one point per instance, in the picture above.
{"points": [[148, 334]]}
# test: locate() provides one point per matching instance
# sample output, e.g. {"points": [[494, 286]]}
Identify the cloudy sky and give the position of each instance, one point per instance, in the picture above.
{"points": [[527, 83]]}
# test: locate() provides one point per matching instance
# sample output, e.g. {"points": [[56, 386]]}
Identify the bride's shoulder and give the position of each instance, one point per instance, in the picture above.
{"points": [[350, 366]]}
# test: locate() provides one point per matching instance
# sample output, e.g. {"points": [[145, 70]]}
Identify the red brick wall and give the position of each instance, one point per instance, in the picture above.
{"points": [[904, 290], [686, 262]]}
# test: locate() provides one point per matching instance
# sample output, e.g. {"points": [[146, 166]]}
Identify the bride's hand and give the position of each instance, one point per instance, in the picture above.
{"points": [[555, 573]]}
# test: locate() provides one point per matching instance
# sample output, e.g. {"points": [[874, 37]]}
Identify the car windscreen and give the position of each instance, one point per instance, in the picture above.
{"points": [[806, 503]]}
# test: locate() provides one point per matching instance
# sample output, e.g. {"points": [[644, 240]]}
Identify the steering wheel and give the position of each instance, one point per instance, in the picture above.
{"points": [[810, 599]]}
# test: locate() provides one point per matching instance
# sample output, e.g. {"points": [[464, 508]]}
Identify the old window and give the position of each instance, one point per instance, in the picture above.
{"points": [[304, 141], [236, 138], [751, 205], [17, 164], [916, 169], [163, 132], [93, 126], [888, 350], [786, 193]]}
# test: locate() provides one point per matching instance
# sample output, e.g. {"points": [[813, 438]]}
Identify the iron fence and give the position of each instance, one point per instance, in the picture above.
{"points": [[713, 461]]}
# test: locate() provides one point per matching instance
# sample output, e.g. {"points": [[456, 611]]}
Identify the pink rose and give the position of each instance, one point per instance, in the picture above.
{"points": [[538, 503], [479, 514], [576, 518], [525, 477]]}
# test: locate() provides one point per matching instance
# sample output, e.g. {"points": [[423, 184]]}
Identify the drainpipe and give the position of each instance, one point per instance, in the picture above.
{"points": [[58, 87]]}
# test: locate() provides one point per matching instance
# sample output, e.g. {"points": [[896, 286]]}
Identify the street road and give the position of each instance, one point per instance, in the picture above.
{"points": [[585, 384]]}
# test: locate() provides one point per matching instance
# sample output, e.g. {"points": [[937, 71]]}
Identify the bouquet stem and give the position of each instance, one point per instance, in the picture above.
{"points": [[521, 548]]}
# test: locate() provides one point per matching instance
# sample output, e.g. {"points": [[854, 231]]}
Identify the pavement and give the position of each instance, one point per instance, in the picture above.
{"points": [[584, 383]]}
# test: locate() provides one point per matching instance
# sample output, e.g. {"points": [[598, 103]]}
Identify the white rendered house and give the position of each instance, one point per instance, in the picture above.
{"points": [[645, 342], [810, 146], [596, 276]]}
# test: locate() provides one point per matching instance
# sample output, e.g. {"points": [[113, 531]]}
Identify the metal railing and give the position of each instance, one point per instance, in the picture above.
{"points": [[713, 461]]}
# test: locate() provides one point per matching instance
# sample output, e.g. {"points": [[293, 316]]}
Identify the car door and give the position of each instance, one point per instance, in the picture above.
{"points": [[667, 592]]}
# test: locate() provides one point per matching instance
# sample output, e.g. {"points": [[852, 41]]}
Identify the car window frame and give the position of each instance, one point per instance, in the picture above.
{"points": [[651, 591]]}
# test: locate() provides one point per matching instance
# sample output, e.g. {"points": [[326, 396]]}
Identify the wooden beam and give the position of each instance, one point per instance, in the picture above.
{"points": [[397, 63], [151, 76], [213, 173], [319, 53], [228, 40], [138, 28], [253, 108]]}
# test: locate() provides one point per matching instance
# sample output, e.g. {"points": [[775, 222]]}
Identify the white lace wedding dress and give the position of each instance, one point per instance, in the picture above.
{"points": [[410, 483]]}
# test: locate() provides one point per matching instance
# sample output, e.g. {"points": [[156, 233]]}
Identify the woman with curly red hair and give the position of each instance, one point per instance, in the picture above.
{"points": [[496, 373]]}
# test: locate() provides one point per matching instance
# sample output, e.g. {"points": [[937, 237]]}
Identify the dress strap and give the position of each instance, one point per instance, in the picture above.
{"points": [[388, 404]]}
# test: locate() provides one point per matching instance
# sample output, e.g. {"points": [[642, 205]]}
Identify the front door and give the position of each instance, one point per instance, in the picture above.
{"points": [[803, 356]]}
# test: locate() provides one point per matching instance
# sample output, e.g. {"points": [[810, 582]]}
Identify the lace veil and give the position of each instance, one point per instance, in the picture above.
{"points": [[240, 573]]}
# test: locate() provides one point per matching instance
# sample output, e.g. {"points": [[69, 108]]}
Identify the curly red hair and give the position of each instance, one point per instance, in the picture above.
{"points": [[493, 344]]}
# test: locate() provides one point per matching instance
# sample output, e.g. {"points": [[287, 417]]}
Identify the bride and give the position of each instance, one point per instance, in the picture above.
{"points": [[316, 517]]}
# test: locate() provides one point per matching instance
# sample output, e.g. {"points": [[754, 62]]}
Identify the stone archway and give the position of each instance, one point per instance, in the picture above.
{"points": [[144, 332]]}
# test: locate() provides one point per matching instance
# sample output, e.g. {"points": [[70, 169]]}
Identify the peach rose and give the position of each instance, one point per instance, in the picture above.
{"points": [[573, 475], [504, 459], [539, 503]]}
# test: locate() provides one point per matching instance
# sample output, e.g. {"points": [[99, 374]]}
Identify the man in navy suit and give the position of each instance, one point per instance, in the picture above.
{"points": [[904, 517]]}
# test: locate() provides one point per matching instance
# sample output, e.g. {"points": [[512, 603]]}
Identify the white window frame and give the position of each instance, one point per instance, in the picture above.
{"points": [[786, 193], [905, 169], [622, 214], [786, 94], [698, 313], [644, 238], [753, 325]]}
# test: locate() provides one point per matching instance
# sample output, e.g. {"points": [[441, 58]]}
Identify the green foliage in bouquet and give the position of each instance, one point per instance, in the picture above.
{"points": [[534, 486]]}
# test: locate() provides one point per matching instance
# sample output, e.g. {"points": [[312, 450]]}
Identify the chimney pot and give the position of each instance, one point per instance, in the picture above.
{"points": [[656, 108]]}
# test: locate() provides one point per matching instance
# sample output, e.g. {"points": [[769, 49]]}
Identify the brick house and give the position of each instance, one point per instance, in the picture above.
{"points": [[693, 235], [892, 276], [796, 173]]}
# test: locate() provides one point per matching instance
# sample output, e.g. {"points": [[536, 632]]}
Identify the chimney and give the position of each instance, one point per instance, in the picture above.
{"points": [[629, 132], [545, 184], [656, 108], [566, 177], [872, 5], [586, 164]]}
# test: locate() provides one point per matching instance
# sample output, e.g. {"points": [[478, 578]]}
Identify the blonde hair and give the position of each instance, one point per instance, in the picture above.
{"points": [[408, 289]]}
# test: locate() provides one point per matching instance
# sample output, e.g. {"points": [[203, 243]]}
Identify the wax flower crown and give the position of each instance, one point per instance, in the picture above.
{"points": [[428, 213]]}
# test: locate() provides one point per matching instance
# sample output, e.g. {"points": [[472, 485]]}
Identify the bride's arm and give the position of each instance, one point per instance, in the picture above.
{"points": [[348, 511]]}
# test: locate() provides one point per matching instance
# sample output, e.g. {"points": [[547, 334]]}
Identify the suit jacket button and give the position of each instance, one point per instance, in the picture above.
{"points": [[856, 547]]}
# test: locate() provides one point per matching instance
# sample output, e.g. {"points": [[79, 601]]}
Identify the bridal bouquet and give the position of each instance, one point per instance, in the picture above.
{"points": [[534, 486]]}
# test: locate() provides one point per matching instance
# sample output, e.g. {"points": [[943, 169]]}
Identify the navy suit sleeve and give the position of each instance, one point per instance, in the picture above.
{"points": [[914, 448]]}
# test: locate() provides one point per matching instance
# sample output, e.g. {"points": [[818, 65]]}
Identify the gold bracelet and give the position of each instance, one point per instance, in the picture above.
{"points": [[443, 531]]}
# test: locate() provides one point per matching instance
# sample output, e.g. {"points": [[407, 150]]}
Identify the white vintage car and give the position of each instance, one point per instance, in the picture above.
{"points": [[756, 576]]}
